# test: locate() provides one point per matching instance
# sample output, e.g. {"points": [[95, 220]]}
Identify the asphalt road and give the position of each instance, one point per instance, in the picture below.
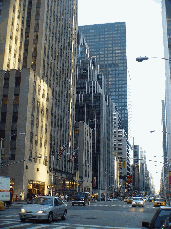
{"points": [[117, 214]]}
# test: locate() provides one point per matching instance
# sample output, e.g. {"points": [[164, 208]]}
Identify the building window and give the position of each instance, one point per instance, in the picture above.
{"points": [[5, 100], [3, 117], [12, 157], [17, 81], [6, 82], [16, 100], [15, 117]]}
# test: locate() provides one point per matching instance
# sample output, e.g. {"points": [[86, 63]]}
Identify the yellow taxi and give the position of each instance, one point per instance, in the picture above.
{"points": [[125, 199], [129, 200], [159, 202], [2, 207]]}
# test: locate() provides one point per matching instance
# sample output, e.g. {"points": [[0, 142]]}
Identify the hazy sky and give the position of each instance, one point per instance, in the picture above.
{"points": [[147, 79]]}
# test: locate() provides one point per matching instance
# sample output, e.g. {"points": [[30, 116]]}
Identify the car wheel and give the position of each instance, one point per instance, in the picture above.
{"points": [[72, 204], [63, 217], [22, 220], [50, 217], [83, 204]]}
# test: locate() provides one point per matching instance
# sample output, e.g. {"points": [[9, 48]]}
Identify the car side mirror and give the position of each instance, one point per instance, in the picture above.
{"points": [[145, 224]]}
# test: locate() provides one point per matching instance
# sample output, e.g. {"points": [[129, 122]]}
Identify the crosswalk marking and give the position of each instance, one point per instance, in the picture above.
{"points": [[20, 225], [56, 225], [77, 226], [7, 222], [42, 225], [6, 216], [17, 220]]}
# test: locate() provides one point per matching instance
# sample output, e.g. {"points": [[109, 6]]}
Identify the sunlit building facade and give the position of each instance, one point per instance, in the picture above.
{"points": [[38, 40]]}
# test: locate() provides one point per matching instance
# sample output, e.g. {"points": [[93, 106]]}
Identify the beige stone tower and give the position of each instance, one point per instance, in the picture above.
{"points": [[37, 96]]}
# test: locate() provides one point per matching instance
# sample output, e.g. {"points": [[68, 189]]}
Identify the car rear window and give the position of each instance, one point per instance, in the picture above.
{"points": [[164, 213]]}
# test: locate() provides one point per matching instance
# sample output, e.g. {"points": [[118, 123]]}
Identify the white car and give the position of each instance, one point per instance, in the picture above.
{"points": [[44, 208], [138, 201]]}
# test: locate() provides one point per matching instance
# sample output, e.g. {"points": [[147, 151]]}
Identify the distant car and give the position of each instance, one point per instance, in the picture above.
{"points": [[151, 199], [138, 201], [161, 214], [125, 199], [82, 198], [44, 208], [159, 202], [145, 198], [129, 200]]}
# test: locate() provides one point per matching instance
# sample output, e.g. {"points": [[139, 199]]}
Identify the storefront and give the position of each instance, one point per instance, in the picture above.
{"points": [[35, 188]]}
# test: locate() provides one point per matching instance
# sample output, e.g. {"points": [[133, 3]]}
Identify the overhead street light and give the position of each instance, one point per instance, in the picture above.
{"points": [[141, 59]]}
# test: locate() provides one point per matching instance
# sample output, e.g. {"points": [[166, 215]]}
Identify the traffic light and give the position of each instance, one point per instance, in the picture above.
{"points": [[120, 164]]}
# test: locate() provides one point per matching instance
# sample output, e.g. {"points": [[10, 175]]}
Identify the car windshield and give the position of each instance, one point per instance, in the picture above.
{"points": [[80, 194], [43, 201], [161, 217], [137, 198], [159, 199]]}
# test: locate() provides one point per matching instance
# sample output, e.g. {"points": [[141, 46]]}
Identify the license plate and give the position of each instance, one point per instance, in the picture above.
{"points": [[29, 216]]}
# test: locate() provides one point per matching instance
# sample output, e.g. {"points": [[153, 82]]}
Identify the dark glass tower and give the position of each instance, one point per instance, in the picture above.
{"points": [[108, 43]]}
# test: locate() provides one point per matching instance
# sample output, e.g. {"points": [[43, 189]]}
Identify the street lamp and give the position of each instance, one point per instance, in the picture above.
{"points": [[141, 59]]}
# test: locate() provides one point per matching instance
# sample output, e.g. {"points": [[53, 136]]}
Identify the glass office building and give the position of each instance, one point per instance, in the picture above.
{"points": [[108, 43]]}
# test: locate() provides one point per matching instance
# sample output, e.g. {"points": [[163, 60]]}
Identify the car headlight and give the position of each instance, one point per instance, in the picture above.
{"points": [[22, 210], [41, 211], [133, 202]]}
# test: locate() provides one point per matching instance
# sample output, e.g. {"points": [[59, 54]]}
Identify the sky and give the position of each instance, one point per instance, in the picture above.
{"points": [[146, 79]]}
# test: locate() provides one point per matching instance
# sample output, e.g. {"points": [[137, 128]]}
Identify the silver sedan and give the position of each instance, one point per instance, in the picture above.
{"points": [[138, 201], [44, 208]]}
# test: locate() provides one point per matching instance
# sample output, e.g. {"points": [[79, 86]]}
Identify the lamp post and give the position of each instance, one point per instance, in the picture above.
{"points": [[167, 107], [141, 59]]}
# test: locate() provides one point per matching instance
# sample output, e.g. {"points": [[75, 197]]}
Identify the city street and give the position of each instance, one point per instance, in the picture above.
{"points": [[116, 214]]}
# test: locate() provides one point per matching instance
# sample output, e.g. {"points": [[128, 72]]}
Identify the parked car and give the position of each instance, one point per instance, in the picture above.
{"points": [[159, 202], [159, 217], [138, 201], [151, 199], [129, 200], [81, 198], [44, 208]]}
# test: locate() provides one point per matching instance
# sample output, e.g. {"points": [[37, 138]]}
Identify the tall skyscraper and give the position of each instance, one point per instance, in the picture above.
{"points": [[95, 108], [108, 43], [37, 99]]}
